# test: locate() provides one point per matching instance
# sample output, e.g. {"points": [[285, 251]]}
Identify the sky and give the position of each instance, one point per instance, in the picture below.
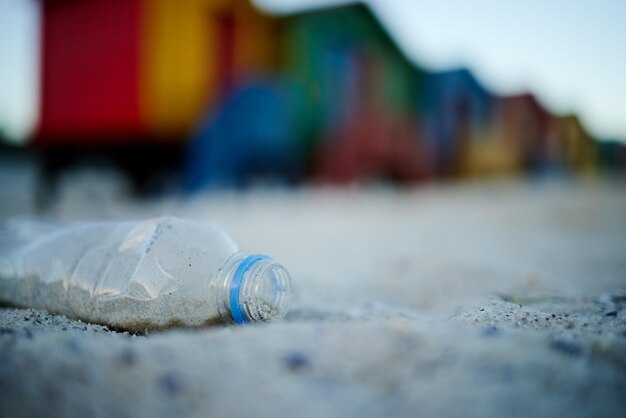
{"points": [[18, 67], [570, 53]]}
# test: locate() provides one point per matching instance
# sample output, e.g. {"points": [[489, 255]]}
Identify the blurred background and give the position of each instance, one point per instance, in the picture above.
{"points": [[170, 96]]}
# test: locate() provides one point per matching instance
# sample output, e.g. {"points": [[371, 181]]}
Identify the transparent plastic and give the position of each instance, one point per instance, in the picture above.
{"points": [[139, 275]]}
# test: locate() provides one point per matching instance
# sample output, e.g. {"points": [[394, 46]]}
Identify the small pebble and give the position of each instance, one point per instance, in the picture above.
{"points": [[490, 331], [566, 347], [128, 357], [170, 384], [73, 346], [296, 361]]}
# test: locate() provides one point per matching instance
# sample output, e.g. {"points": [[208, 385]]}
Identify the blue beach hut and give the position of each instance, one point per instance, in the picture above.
{"points": [[250, 137], [454, 110]]}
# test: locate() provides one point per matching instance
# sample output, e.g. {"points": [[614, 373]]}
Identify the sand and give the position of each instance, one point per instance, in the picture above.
{"points": [[497, 299]]}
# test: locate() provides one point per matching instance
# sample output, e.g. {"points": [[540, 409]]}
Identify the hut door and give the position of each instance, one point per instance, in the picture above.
{"points": [[461, 134], [225, 54]]}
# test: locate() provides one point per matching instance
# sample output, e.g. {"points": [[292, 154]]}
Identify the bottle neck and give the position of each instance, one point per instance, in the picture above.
{"points": [[253, 288]]}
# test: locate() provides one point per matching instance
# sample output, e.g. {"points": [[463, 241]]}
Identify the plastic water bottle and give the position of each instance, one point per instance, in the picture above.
{"points": [[139, 275]]}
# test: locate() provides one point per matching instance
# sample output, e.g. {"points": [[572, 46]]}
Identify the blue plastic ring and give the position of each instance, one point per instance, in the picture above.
{"points": [[236, 309]]}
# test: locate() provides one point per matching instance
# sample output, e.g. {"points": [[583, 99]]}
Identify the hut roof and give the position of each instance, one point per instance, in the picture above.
{"points": [[354, 7], [463, 76], [526, 98]]}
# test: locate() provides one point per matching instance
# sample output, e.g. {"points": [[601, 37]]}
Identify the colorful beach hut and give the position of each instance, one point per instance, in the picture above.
{"points": [[455, 110], [576, 146], [123, 71], [525, 123], [252, 136], [357, 89], [612, 157]]}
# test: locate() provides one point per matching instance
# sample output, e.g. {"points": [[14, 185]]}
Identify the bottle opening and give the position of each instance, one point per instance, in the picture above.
{"points": [[256, 289]]}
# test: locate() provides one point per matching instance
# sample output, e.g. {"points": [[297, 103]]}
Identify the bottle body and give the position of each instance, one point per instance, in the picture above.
{"points": [[136, 275]]}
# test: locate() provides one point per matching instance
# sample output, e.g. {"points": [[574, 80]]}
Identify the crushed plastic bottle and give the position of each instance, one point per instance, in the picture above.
{"points": [[139, 275]]}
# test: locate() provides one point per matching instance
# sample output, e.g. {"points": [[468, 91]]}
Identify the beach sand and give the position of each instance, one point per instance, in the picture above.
{"points": [[483, 299]]}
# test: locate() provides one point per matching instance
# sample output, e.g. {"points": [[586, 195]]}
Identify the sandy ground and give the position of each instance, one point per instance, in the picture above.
{"points": [[499, 299]]}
